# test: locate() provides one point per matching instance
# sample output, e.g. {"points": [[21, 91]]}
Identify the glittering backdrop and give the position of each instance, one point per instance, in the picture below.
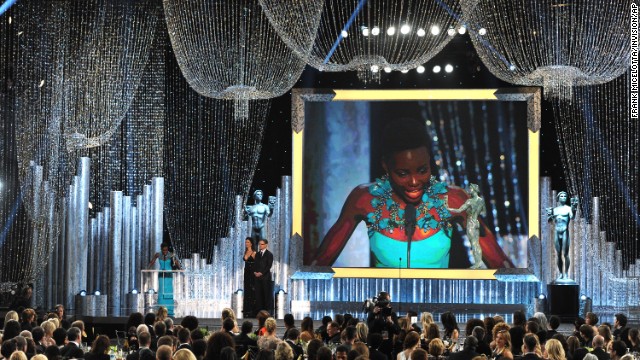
{"points": [[600, 148], [210, 156]]}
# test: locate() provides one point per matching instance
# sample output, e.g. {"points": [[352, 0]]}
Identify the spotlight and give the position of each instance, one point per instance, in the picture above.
{"points": [[421, 32], [391, 30], [344, 33], [365, 31], [405, 29], [387, 69], [83, 293], [151, 291], [507, 203], [583, 297], [420, 69], [375, 31], [436, 69], [375, 68], [462, 30], [448, 68], [435, 30], [97, 293], [451, 31], [134, 291], [542, 296], [404, 71], [482, 32]]}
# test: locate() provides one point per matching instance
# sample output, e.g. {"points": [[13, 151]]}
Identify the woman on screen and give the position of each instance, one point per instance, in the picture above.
{"points": [[405, 210]]}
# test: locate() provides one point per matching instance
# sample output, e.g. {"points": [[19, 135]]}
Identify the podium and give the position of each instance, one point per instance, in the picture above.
{"points": [[157, 287], [564, 300]]}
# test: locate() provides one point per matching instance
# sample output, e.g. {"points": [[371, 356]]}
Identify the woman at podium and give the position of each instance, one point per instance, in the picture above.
{"points": [[167, 262]]}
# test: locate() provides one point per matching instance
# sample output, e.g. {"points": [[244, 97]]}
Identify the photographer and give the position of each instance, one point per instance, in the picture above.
{"points": [[382, 318]]}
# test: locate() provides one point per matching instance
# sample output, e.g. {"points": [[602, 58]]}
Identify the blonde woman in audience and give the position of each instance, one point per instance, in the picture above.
{"points": [[11, 315], [18, 355], [554, 349], [49, 327], [436, 348], [502, 326], [183, 354], [283, 351], [39, 357], [503, 345], [426, 319], [605, 332], [362, 331], [269, 334]]}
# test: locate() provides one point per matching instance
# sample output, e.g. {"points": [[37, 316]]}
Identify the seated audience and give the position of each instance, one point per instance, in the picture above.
{"points": [[468, 351], [555, 350], [72, 348], [164, 352], [99, 349]]}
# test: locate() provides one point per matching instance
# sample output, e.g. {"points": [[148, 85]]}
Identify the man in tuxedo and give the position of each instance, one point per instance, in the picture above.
{"points": [[262, 273], [184, 337], [72, 349], [144, 352], [598, 348]]}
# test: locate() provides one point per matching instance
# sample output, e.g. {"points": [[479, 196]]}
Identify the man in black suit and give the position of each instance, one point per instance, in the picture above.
{"points": [[184, 337], [374, 340], [598, 345], [621, 331], [144, 352], [72, 349], [292, 339], [243, 341], [468, 351], [529, 344], [262, 272]]}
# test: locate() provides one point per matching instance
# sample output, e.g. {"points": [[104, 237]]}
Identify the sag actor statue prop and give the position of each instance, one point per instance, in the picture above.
{"points": [[258, 212], [561, 215], [473, 207]]}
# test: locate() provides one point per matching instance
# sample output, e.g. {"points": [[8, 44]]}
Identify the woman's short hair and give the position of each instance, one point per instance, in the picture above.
{"points": [[283, 351], [436, 347], [270, 325], [184, 354], [404, 134]]}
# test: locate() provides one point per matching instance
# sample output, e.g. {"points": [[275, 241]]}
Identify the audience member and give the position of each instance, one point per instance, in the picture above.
{"points": [[184, 354], [554, 324], [306, 330], [144, 351], [620, 329], [313, 347], [555, 350], [164, 352], [228, 353], [483, 346], [283, 351], [292, 339], [99, 349], [289, 324], [468, 351], [72, 348], [243, 341], [634, 340], [374, 340], [200, 348], [618, 349], [216, 343], [190, 322], [184, 339]]}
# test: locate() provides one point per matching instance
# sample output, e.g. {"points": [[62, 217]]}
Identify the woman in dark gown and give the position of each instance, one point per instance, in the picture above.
{"points": [[249, 298]]}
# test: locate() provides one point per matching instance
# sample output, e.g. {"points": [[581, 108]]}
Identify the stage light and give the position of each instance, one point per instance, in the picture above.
{"points": [[451, 31], [405, 29], [404, 71], [391, 30], [542, 296], [458, 163], [134, 291], [583, 297], [365, 31], [375, 31], [151, 291], [435, 30], [344, 33], [482, 32], [375, 68], [448, 68], [507, 203], [421, 32], [97, 293], [462, 30], [420, 69], [387, 69], [436, 69], [83, 293]]}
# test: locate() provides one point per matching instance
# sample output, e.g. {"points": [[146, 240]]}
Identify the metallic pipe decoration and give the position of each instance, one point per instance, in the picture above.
{"points": [[126, 245], [115, 253], [82, 230], [157, 213]]}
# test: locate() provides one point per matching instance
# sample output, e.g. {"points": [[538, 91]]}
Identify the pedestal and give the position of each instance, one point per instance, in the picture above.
{"points": [[564, 301]]}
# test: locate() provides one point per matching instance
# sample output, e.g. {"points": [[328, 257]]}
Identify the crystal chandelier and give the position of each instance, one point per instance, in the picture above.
{"points": [[556, 45], [228, 50], [108, 51], [371, 36]]}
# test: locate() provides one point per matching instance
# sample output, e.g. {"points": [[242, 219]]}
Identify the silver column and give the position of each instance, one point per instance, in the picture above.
{"points": [[106, 252], [147, 250], [157, 213], [69, 249], [134, 267], [115, 253], [82, 223], [98, 256], [126, 244], [141, 259], [92, 251]]}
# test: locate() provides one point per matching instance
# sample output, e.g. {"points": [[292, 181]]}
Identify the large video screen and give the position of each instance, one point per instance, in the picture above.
{"points": [[481, 142]]}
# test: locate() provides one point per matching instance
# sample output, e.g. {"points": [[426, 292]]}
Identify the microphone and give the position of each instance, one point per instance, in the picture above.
{"points": [[409, 228]]}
